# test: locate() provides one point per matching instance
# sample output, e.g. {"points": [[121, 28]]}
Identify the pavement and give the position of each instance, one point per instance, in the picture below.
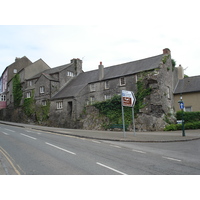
{"points": [[158, 136]]}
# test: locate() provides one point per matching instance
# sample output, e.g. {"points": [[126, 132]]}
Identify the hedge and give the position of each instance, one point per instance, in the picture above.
{"points": [[188, 116], [192, 121], [189, 125]]}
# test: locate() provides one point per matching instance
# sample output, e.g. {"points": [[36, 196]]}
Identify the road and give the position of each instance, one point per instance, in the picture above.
{"points": [[30, 152]]}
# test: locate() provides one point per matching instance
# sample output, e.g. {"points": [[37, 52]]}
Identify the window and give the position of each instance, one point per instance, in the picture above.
{"points": [[44, 102], [136, 78], [106, 85], [59, 104], [92, 100], [168, 92], [41, 89], [107, 96], [122, 81], [3, 97], [28, 95], [92, 87], [188, 109], [70, 74], [15, 71], [29, 83]]}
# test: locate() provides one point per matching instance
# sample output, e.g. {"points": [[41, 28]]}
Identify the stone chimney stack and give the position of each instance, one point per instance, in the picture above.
{"points": [[78, 65], [166, 51], [180, 72], [101, 71]]}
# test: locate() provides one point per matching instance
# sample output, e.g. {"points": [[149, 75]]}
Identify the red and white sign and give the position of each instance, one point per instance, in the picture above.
{"points": [[128, 98]]}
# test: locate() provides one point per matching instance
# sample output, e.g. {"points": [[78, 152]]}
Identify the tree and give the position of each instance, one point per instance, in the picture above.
{"points": [[17, 91]]}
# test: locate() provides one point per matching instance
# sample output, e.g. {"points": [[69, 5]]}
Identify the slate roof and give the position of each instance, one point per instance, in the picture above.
{"points": [[51, 70], [132, 67], [187, 85], [84, 78]]}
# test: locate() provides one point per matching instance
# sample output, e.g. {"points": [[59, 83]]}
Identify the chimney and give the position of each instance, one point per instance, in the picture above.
{"points": [[17, 58], [166, 51], [180, 72], [101, 71], [77, 65]]}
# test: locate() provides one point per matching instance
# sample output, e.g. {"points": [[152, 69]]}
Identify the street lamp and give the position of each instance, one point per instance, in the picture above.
{"points": [[181, 104]]}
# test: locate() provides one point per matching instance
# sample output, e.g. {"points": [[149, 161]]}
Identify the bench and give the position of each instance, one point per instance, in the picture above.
{"points": [[120, 126]]}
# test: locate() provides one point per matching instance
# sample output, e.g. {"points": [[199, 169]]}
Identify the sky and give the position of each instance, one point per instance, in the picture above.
{"points": [[113, 32]]}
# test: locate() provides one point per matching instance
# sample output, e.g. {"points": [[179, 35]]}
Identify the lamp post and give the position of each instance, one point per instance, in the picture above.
{"points": [[181, 104]]}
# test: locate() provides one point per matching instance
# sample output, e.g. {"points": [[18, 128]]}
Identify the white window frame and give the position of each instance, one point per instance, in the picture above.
{"points": [[30, 83], [44, 102], [122, 82], [3, 97], [59, 105], [41, 89], [92, 99], [107, 96], [168, 92], [106, 84], [188, 109], [28, 95], [92, 87], [70, 74]]}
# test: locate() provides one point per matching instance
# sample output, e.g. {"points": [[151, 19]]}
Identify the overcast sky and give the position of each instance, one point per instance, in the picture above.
{"points": [[113, 32]]}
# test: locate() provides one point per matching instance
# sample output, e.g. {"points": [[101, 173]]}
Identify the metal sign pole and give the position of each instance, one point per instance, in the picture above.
{"points": [[133, 121], [123, 121]]}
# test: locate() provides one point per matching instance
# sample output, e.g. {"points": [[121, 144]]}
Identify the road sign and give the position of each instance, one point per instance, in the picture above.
{"points": [[181, 105], [128, 98]]}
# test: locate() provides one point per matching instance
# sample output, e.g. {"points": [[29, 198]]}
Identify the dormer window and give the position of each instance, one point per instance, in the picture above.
{"points": [[70, 74]]}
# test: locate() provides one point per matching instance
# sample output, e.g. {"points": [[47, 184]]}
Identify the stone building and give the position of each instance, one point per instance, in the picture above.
{"points": [[155, 72], [189, 89], [68, 89], [6, 79], [44, 85], [24, 74]]}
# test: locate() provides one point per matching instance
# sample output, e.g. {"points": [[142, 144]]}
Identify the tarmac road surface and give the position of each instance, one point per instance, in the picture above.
{"points": [[29, 151]]}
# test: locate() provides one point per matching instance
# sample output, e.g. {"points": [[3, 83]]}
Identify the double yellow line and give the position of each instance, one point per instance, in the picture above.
{"points": [[8, 157]]}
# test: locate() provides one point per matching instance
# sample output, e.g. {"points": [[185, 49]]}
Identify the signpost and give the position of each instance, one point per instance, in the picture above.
{"points": [[128, 99], [181, 104]]}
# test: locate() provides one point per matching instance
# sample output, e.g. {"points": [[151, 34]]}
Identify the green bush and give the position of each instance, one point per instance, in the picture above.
{"points": [[188, 116], [174, 127], [112, 109]]}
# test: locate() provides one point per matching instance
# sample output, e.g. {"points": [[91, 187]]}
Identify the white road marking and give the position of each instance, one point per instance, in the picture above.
{"points": [[28, 136], [33, 132], [110, 168], [60, 148], [9, 130], [169, 158], [5, 133], [96, 141], [115, 146], [138, 151]]}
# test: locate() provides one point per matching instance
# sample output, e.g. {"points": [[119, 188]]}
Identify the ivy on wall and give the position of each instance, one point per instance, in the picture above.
{"points": [[112, 108], [39, 113], [17, 91], [29, 106]]}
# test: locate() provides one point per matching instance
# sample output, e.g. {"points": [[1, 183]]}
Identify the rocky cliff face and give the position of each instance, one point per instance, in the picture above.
{"points": [[92, 120]]}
